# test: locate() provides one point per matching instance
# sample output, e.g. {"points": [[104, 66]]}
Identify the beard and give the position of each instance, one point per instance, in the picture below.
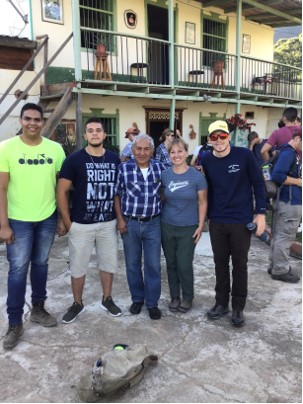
{"points": [[95, 144]]}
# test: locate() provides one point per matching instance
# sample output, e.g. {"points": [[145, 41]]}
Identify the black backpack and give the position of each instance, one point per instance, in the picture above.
{"points": [[271, 186]]}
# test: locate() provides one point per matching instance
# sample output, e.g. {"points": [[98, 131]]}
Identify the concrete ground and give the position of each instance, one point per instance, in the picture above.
{"points": [[199, 360]]}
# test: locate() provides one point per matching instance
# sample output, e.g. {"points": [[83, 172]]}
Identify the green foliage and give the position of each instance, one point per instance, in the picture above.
{"points": [[289, 51]]}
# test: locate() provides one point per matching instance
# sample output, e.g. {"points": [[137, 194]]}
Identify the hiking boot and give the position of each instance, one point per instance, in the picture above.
{"points": [[185, 306], [174, 304], [109, 305], [73, 312], [12, 336], [288, 277], [136, 307], [217, 312], [154, 313], [237, 318], [41, 316]]}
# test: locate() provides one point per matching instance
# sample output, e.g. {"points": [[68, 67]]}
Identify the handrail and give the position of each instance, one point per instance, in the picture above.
{"points": [[24, 93], [29, 62]]}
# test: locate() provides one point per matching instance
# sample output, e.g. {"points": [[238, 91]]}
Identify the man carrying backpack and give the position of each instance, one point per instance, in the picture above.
{"points": [[286, 172]]}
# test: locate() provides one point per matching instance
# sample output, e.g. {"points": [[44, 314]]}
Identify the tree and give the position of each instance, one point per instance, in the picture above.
{"points": [[289, 51]]}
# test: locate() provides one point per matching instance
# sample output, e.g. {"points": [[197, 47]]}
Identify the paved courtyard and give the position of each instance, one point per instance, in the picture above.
{"points": [[199, 360]]}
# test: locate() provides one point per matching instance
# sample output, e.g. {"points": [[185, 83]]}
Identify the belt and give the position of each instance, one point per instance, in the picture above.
{"points": [[141, 219]]}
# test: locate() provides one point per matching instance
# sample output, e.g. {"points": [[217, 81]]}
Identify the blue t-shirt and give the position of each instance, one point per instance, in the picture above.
{"points": [[180, 207], [94, 181], [231, 180]]}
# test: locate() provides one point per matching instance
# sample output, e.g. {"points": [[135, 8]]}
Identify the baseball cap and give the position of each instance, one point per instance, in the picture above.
{"points": [[220, 126], [131, 131]]}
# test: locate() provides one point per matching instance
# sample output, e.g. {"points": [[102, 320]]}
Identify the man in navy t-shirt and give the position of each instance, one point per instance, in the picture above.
{"points": [[233, 177], [92, 221]]}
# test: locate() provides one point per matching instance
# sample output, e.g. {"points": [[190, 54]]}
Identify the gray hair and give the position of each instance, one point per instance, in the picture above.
{"points": [[145, 137]]}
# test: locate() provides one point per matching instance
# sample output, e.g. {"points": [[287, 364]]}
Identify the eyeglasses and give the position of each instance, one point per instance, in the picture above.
{"points": [[222, 136]]}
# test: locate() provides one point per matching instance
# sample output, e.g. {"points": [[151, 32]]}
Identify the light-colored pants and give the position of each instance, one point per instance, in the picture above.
{"points": [[83, 237], [285, 225]]}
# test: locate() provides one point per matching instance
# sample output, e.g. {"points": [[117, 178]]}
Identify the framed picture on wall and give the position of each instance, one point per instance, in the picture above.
{"points": [[246, 42], [52, 11], [190, 33]]}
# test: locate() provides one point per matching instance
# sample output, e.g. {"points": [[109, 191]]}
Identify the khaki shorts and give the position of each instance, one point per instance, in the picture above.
{"points": [[84, 237]]}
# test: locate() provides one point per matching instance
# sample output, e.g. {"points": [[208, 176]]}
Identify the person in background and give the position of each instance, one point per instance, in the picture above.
{"points": [[195, 155], [255, 144], [282, 135], [287, 210], [130, 134], [92, 222], [29, 164], [184, 191], [138, 208], [233, 179], [162, 154]]}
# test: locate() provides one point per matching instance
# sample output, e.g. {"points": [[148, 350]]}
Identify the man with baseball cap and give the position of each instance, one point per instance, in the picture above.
{"points": [[233, 178], [130, 134]]}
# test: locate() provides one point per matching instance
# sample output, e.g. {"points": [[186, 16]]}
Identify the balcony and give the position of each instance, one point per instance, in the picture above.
{"points": [[115, 63]]}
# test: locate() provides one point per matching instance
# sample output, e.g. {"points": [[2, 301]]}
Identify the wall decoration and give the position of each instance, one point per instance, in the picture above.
{"points": [[130, 19], [246, 42], [52, 11], [190, 33]]}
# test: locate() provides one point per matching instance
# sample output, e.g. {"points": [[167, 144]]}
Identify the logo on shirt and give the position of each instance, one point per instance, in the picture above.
{"points": [[40, 159], [234, 168], [173, 186]]}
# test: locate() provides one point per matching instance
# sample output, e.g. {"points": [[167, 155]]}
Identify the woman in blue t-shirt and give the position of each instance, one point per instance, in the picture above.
{"points": [[184, 210]]}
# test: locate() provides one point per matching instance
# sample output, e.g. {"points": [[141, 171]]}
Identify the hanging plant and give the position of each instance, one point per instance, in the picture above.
{"points": [[236, 121]]}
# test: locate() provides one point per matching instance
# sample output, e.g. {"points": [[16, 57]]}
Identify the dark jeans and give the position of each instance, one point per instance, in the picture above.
{"points": [[178, 247], [230, 240], [32, 245]]}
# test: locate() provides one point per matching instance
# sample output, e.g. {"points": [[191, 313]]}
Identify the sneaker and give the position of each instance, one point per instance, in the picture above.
{"points": [[41, 316], [237, 318], [185, 306], [109, 305], [136, 307], [288, 277], [174, 304], [73, 312], [154, 313], [12, 336], [217, 312]]}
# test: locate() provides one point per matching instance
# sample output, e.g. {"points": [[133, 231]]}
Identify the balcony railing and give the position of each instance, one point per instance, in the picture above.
{"points": [[133, 59]]}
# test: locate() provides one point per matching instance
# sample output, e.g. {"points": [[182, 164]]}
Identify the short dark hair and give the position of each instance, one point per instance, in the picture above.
{"points": [[251, 136], [290, 114], [94, 119], [31, 105]]}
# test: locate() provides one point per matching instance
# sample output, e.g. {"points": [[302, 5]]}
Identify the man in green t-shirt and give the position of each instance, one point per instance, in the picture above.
{"points": [[29, 164]]}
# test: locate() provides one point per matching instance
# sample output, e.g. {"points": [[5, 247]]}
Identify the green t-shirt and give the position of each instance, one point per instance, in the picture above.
{"points": [[32, 185]]}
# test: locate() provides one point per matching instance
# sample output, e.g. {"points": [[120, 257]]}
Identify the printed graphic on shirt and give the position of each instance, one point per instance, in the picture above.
{"points": [[100, 191], [173, 186], [40, 159], [233, 168]]}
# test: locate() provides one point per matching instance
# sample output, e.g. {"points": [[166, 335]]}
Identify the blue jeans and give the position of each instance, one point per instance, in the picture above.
{"points": [[143, 237], [33, 242]]}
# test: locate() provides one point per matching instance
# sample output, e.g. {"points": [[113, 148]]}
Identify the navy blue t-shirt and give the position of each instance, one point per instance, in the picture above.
{"points": [[231, 180], [93, 180]]}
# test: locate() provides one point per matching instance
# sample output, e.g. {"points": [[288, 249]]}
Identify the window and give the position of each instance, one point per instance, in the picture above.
{"points": [[96, 14], [214, 38]]}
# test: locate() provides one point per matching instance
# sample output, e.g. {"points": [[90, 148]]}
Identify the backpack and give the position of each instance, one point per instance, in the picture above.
{"points": [[206, 148], [271, 187], [115, 372]]}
